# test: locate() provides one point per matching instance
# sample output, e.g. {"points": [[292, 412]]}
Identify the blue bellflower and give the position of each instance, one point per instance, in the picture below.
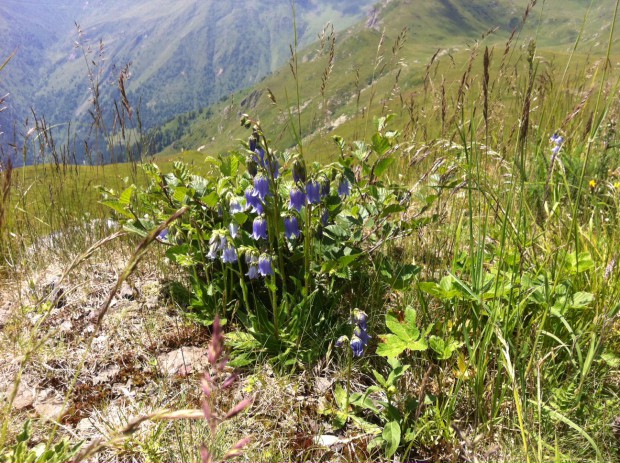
{"points": [[259, 228], [298, 199], [313, 192], [264, 265], [344, 189], [235, 206], [291, 227], [234, 229], [261, 187], [253, 200], [252, 262], [357, 346], [229, 254]]}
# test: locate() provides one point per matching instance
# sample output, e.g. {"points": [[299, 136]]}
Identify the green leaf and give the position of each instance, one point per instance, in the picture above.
{"points": [[380, 144], [118, 207], [611, 359], [392, 346], [392, 209], [444, 349], [211, 199], [382, 165], [125, 197], [180, 194], [391, 436], [581, 300]]}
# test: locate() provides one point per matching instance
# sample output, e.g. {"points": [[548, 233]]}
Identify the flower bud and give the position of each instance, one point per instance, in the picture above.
{"points": [[299, 171]]}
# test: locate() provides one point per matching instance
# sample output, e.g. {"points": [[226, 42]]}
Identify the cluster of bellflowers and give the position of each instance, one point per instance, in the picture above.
{"points": [[360, 337], [258, 200], [557, 141]]}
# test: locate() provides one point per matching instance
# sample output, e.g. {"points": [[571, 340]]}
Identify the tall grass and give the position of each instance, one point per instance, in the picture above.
{"points": [[517, 244]]}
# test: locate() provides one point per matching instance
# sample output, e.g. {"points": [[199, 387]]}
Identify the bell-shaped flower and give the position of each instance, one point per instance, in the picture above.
{"points": [[357, 346], [298, 199], [252, 260], [229, 254], [253, 201], [359, 318], [234, 229], [261, 187], [259, 228], [299, 171], [361, 334], [264, 265], [342, 340], [235, 206], [325, 217], [325, 185], [344, 189], [273, 168], [313, 192], [291, 227]]}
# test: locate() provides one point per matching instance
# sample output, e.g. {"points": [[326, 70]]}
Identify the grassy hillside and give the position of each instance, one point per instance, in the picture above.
{"points": [[182, 58], [445, 34]]}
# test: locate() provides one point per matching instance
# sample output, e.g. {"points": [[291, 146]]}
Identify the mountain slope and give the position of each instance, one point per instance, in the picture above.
{"points": [[185, 54], [446, 30]]}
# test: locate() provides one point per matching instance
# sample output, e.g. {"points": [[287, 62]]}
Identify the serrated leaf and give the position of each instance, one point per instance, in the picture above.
{"points": [[117, 207], [179, 194], [391, 436], [211, 199], [125, 198], [392, 346], [380, 144], [382, 165]]}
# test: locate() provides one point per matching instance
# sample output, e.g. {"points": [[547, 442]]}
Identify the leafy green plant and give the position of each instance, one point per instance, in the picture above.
{"points": [[278, 244], [22, 452]]}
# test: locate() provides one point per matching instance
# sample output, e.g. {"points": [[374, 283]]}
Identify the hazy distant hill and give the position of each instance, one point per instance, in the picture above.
{"points": [[185, 54]]}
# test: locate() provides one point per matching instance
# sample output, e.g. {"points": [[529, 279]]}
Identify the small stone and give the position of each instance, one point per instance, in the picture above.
{"points": [[24, 398], [49, 408], [183, 361]]}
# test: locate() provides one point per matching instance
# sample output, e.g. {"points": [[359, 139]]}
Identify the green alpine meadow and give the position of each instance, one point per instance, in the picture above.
{"points": [[310, 230]]}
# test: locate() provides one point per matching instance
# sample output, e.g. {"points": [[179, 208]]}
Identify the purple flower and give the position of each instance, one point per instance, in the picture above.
{"points": [[298, 199], [325, 187], [299, 171], [252, 143], [344, 189], [235, 207], [313, 192], [273, 168], [214, 246], [253, 272], [229, 254], [325, 217], [259, 228], [291, 227], [252, 262], [357, 346], [359, 318], [234, 229], [259, 157], [342, 340], [163, 235], [361, 334], [264, 265], [261, 187], [253, 200]]}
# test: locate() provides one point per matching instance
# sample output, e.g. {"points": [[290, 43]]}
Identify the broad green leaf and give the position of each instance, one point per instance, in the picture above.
{"points": [[179, 194], [117, 207], [211, 199], [125, 197], [444, 349], [392, 346], [582, 299], [383, 165], [391, 436], [611, 359], [380, 144]]}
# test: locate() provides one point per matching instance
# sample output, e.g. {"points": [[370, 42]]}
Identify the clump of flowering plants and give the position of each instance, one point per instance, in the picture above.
{"points": [[272, 242]]}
